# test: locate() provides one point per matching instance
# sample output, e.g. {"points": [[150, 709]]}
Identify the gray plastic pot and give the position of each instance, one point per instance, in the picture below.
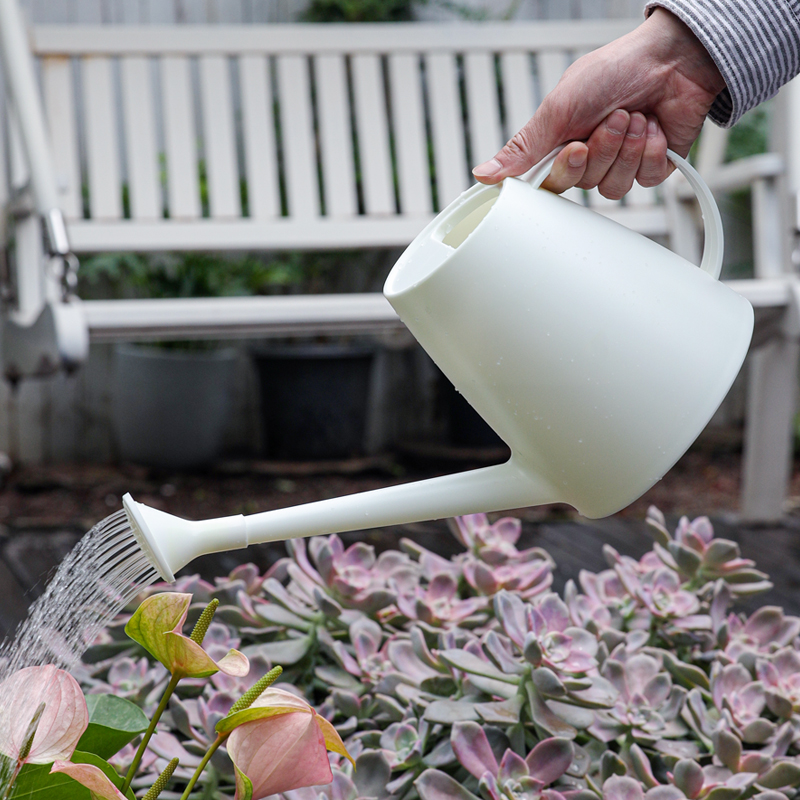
{"points": [[171, 407]]}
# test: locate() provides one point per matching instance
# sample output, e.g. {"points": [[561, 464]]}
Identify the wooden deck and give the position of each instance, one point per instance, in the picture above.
{"points": [[43, 514]]}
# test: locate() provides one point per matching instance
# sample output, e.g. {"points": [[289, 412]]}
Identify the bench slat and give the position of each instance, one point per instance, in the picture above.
{"points": [[373, 134], [486, 135], [408, 122], [219, 138], [102, 159], [59, 103], [297, 132], [446, 127], [518, 90], [183, 189], [336, 136], [411, 37], [258, 132], [140, 137]]}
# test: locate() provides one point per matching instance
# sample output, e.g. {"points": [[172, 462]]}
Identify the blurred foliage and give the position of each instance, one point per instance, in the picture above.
{"points": [[750, 136], [359, 10]]}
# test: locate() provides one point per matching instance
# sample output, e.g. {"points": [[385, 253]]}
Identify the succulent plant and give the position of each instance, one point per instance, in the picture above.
{"points": [[456, 677]]}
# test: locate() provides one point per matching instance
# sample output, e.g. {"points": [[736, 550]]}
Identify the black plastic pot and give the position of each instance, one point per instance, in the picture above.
{"points": [[314, 401], [171, 407]]}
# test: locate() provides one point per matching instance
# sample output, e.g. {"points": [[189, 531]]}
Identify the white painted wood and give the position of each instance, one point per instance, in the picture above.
{"points": [[321, 38], [183, 190], [486, 134], [336, 136], [297, 127], [518, 90], [18, 165], [373, 134], [139, 120], [550, 67], [102, 153], [408, 123], [771, 405], [219, 137], [304, 233], [768, 234], [158, 12], [89, 11], [258, 132], [59, 103], [444, 105]]}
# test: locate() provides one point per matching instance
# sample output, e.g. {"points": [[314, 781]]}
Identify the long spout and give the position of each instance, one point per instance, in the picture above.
{"points": [[171, 542]]}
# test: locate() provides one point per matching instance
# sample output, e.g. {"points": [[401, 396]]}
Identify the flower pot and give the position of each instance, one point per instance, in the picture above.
{"points": [[171, 407], [314, 400]]}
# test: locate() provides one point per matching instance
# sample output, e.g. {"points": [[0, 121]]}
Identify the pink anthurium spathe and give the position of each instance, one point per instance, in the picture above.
{"points": [[93, 778], [62, 723], [279, 743], [157, 626]]}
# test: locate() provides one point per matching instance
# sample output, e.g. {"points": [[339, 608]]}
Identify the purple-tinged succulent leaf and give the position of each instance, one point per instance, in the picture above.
{"points": [[642, 767], [667, 793], [622, 788], [783, 773], [450, 712], [472, 749], [436, 785], [549, 760], [688, 777], [728, 748], [504, 713]]}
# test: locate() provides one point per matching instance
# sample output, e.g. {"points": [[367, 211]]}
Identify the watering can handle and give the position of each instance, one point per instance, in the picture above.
{"points": [[714, 240]]}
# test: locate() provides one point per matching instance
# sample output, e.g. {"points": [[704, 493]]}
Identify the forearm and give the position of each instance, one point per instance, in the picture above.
{"points": [[755, 44]]}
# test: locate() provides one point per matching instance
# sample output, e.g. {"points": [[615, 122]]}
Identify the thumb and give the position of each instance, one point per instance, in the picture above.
{"points": [[540, 135]]}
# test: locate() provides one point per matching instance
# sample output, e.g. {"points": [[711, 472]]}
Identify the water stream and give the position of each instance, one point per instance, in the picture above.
{"points": [[99, 577]]}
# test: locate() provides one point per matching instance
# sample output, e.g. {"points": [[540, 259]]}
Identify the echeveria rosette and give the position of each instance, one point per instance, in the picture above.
{"points": [[439, 604], [61, 724], [279, 743], [157, 625], [514, 778], [700, 558]]}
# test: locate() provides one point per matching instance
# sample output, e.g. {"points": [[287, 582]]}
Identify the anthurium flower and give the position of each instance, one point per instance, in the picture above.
{"points": [[157, 625], [279, 743], [62, 723], [92, 777]]}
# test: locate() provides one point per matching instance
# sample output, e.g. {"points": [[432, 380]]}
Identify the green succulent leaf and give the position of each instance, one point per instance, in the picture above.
{"points": [[467, 662]]}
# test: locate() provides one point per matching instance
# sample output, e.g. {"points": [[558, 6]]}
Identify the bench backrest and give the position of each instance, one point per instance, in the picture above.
{"points": [[290, 136]]}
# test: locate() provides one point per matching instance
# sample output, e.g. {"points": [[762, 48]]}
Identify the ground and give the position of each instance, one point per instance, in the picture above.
{"points": [[44, 510]]}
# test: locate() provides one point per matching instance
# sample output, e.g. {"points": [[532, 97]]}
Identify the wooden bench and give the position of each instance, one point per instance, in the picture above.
{"points": [[306, 137]]}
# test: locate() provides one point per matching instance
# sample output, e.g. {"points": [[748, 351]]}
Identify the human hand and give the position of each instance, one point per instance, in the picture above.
{"points": [[629, 101]]}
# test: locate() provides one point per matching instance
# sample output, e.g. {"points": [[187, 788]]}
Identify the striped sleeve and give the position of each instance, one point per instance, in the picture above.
{"points": [[754, 43]]}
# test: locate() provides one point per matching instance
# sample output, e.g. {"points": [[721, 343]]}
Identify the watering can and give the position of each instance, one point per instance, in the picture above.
{"points": [[597, 355]]}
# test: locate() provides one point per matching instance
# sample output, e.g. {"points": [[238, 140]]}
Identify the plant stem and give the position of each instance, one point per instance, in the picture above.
{"points": [[173, 682], [221, 737], [14, 775]]}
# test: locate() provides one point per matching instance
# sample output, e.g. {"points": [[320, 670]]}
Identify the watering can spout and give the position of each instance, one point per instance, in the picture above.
{"points": [[171, 542]]}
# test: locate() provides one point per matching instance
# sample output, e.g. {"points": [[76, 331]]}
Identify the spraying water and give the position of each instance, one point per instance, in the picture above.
{"points": [[99, 577]]}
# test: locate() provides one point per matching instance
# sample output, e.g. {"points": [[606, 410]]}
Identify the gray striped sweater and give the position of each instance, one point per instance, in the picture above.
{"points": [[755, 44]]}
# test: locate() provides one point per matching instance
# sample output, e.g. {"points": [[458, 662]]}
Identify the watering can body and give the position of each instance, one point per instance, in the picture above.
{"points": [[595, 353]]}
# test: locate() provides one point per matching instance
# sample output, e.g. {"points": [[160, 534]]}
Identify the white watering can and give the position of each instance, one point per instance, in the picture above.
{"points": [[596, 354]]}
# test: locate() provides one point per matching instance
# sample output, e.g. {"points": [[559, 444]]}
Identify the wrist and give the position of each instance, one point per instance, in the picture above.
{"points": [[676, 46]]}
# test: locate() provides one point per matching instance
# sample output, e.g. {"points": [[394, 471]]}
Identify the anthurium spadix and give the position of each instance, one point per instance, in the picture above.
{"points": [[60, 724], [279, 743], [157, 626]]}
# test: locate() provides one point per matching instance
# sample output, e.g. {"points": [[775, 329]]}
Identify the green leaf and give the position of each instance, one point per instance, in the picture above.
{"points": [[287, 651], [35, 782], [467, 662], [113, 722]]}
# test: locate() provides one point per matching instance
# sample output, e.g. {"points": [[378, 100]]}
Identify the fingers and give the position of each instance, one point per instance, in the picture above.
{"points": [[654, 167], [622, 172], [568, 168]]}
